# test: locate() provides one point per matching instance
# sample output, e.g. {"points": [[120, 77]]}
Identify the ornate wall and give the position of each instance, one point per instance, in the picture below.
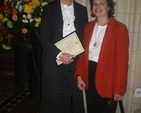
{"points": [[129, 13]]}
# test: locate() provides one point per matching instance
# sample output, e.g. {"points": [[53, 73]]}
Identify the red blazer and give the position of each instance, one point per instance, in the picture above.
{"points": [[112, 67]]}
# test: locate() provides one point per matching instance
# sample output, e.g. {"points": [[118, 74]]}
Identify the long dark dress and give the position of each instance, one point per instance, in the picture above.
{"points": [[59, 90]]}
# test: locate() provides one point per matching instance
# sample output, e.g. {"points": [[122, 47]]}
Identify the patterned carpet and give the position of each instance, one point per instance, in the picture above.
{"points": [[14, 101], [7, 89], [27, 106]]}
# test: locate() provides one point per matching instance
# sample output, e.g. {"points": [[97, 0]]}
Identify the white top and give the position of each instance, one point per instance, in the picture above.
{"points": [[68, 18], [96, 42]]}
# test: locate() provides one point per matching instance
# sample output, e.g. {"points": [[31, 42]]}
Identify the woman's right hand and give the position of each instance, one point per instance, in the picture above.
{"points": [[80, 83]]}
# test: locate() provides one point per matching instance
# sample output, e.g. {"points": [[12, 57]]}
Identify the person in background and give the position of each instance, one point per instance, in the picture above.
{"points": [[59, 93], [102, 69]]}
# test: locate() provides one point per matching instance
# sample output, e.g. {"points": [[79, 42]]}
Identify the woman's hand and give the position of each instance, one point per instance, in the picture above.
{"points": [[117, 97], [80, 83]]}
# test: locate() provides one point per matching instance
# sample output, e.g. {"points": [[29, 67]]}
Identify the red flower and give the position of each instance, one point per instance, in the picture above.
{"points": [[8, 4], [2, 9], [14, 11], [1, 38], [31, 4], [3, 29], [14, 17], [9, 36], [24, 30]]}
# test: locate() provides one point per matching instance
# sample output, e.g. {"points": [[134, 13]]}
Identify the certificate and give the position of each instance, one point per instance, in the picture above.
{"points": [[70, 44]]}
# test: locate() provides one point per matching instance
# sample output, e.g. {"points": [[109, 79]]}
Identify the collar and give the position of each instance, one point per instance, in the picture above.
{"points": [[66, 7]]}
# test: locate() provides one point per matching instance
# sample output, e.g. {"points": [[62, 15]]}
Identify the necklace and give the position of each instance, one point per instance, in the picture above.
{"points": [[68, 20], [99, 34]]}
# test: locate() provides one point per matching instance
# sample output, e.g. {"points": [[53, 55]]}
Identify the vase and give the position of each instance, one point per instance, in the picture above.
{"points": [[28, 67], [34, 69], [20, 64]]}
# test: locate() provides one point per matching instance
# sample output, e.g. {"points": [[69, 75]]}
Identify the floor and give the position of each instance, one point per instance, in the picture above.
{"points": [[12, 99]]}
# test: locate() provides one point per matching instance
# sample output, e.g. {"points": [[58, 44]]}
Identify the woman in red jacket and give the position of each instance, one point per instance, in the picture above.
{"points": [[102, 68]]}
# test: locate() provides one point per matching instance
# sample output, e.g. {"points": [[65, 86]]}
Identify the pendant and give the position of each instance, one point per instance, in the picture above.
{"points": [[94, 44]]}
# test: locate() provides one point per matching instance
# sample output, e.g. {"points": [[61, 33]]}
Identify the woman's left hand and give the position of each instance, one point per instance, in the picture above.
{"points": [[117, 97]]}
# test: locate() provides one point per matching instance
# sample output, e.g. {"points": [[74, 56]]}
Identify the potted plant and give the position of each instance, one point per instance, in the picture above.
{"points": [[19, 29]]}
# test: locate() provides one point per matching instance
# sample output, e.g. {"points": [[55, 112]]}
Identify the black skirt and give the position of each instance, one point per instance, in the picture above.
{"points": [[95, 103]]}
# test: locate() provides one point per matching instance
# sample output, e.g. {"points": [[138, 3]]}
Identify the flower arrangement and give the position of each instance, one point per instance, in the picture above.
{"points": [[20, 21]]}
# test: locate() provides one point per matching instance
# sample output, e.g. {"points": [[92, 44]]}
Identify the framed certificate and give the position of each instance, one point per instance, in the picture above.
{"points": [[70, 44]]}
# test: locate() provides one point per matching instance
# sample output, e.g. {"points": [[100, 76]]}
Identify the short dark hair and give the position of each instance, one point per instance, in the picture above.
{"points": [[111, 5]]}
